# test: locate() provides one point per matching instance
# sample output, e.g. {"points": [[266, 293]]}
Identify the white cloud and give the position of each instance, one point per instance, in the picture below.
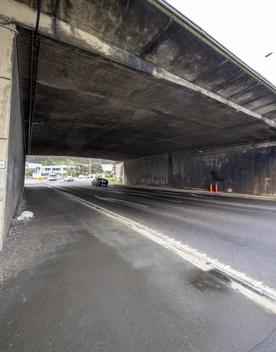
{"points": [[247, 28]]}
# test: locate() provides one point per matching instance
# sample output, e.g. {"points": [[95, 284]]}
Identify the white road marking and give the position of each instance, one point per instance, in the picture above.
{"points": [[154, 197], [110, 190], [114, 200], [107, 199], [140, 194], [256, 291], [204, 199], [131, 193], [234, 204]]}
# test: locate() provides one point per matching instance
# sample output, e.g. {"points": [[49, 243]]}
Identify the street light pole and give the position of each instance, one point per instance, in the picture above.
{"points": [[269, 54]]}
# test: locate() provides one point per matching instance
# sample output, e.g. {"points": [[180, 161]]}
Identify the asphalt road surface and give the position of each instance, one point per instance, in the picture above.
{"points": [[76, 279], [238, 232]]}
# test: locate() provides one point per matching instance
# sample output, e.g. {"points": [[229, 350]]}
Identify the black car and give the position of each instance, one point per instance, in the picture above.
{"points": [[100, 181]]}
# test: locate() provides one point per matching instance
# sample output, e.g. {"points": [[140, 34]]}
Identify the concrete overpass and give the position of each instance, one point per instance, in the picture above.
{"points": [[133, 81]]}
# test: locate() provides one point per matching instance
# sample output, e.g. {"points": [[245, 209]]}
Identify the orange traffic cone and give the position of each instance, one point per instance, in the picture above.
{"points": [[211, 187], [216, 187]]}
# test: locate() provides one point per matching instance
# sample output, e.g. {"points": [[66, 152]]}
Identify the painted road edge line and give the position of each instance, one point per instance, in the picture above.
{"points": [[256, 291]]}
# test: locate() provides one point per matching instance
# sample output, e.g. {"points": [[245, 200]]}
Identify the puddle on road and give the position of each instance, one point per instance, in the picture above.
{"points": [[208, 281]]}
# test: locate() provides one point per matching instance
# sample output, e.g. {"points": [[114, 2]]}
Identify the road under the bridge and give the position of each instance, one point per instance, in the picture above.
{"points": [[75, 279], [239, 232]]}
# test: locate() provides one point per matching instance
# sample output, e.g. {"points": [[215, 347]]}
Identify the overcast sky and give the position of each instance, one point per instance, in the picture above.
{"points": [[245, 27]]}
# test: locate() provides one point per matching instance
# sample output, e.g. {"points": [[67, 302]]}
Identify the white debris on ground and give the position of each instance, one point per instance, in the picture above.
{"points": [[25, 215], [27, 245]]}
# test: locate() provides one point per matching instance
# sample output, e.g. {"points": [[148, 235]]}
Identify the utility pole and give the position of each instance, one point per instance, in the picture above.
{"points": [[89, 167]]}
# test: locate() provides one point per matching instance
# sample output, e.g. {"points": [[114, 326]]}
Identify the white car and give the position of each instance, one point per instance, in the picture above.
{"points": [[52, 177], [83, 177], [68, 179]]}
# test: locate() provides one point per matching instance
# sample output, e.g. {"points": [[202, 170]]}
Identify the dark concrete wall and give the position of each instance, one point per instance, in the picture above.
{"points": [[147, 171], [16, 155], [244, 169]]}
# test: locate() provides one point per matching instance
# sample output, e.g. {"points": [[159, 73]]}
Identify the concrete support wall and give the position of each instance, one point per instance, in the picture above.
{"points": [[11, 132], [119, 171], [247, 169], [147, 171]]}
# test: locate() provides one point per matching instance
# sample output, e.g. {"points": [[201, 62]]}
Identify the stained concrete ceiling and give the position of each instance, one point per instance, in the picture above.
{"points": [[160, 87]]}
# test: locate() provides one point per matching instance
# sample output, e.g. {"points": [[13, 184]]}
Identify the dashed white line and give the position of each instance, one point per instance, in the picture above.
{"points": [[156, 197], [115, 200]]}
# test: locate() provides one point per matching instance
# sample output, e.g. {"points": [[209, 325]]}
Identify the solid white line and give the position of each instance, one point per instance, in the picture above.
{"points": [[254, 290]]}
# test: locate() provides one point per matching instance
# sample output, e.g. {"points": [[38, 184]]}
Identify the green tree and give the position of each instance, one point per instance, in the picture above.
{"points": [[29, 173], [96, 168]]}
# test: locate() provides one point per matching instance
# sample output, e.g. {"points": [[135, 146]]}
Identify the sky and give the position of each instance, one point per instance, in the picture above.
{"points": [[245, 27]]}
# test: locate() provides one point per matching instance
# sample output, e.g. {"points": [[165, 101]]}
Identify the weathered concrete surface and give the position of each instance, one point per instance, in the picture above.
{"points": [[119, 172], [11, 132], [153, 170], [128, 79], [243, 169]]}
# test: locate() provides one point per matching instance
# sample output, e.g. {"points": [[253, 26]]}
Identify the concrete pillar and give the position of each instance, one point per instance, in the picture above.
{"points": [[170, 170], [11, 132]]}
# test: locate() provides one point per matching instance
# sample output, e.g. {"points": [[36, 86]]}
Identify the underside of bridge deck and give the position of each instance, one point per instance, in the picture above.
{"points": [[128, 79]]}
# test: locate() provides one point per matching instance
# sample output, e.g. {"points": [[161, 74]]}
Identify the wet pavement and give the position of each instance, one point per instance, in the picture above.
{"points": [[80, 281]]}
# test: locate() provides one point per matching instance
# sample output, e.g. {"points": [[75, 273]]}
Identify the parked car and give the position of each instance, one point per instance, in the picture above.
{"points": [[99, 181], [83, 176], [52, 177], [68, 179]]}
